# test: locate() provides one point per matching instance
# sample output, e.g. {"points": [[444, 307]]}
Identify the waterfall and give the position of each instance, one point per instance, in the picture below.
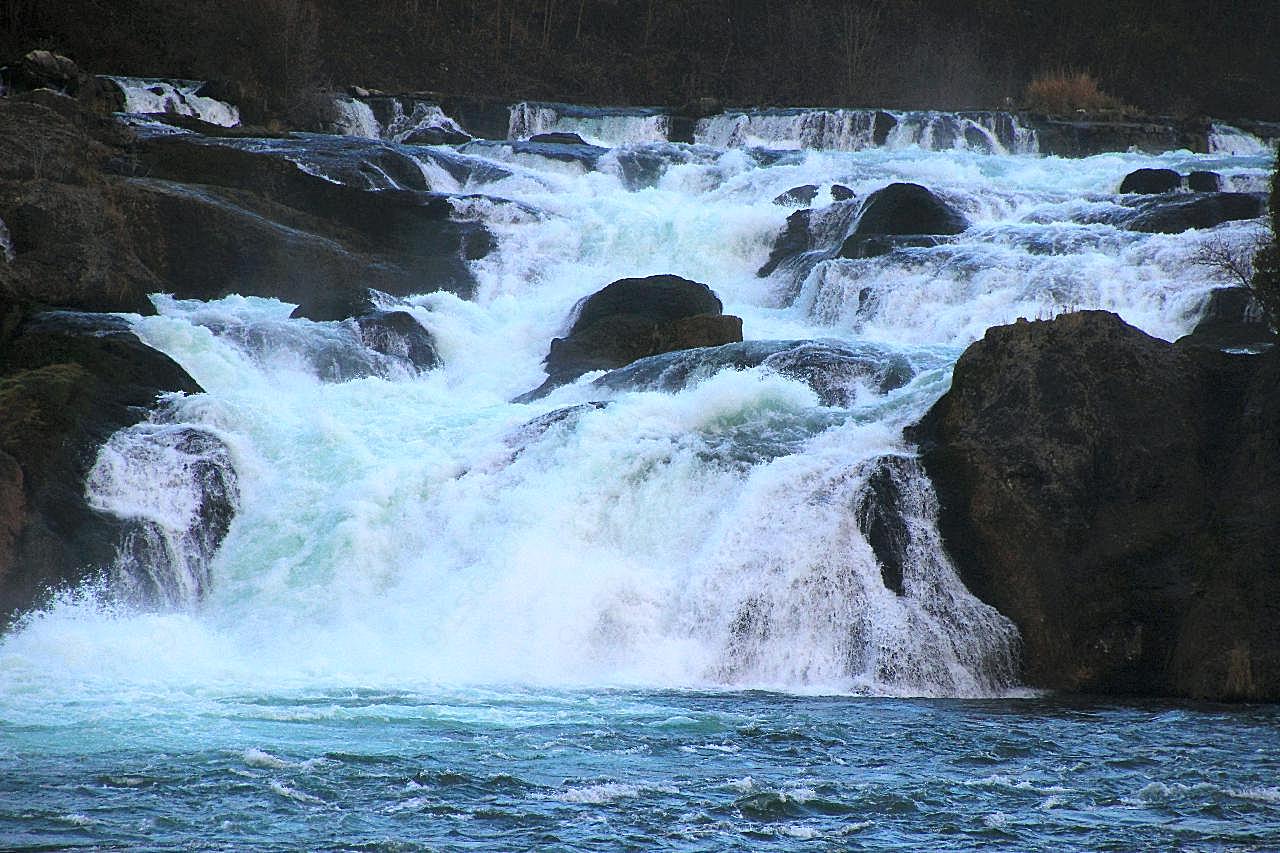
{"points": [[175, 97], [599, 126]]}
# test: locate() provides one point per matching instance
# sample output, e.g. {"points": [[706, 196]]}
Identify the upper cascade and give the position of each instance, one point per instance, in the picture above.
{"points": [[148, 96], [988, 132], [607, 126], [394, 118]]}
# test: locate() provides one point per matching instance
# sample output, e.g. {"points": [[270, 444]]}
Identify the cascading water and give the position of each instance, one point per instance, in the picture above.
{"points": [[597, 126], [857, 130], [441, 615], [146, 96]]}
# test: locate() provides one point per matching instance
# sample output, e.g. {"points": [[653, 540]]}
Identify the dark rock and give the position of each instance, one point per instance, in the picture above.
{"points": [[399, 335], [882, 519], [1151, 181], [69, 382], [633, 318], [900, 210], [882, 126], [877, 245], [1232, 319], [1204, 182], [791, 241], [436, 136], [43, 69], [1117, 498], [558, 138], [1175, 214], [797, 196], [839, 192], [1084, 138]]}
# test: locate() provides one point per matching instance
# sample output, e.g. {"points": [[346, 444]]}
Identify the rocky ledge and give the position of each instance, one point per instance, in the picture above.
{"points": [[1117, 497]]}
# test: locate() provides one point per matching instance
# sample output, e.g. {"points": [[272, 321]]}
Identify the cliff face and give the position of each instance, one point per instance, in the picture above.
{"points": [[1118, 497]]}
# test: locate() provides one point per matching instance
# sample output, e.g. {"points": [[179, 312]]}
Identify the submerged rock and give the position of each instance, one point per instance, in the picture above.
{"points": [[633, 318], [1118, 498], [1178, 213], [834, 370]]}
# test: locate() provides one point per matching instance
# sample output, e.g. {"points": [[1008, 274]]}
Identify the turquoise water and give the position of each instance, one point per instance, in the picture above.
{"points": [[686, 639], [609, 770]]}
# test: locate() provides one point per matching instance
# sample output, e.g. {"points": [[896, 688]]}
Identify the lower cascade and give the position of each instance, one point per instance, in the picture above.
{"points": [[366, 491]]}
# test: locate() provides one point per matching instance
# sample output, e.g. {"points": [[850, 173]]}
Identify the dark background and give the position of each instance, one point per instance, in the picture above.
{"points": [[1169, 57]]}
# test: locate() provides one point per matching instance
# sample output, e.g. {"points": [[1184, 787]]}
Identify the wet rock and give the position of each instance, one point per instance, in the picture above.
{"points": [[791, 241], [69, 382], [877, 245], [797, 196], [1204, 182], [900, 210], [1175, 214], [839, 192], [1117, 497], [633, 318], [834, 370], [881, 517], [1151, 181], [1232, 319], [398, 335], [558, 138]]}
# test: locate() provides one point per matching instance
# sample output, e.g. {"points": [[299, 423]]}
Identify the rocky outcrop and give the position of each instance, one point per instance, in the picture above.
{"points": [[98, 219], [900, 214], [797, 196], [69, 382], [1069, 137], [1118, 498], [633, 318], [1232, 318]]}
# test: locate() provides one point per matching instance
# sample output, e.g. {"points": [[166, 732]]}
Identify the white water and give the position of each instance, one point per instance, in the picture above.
{"points": [[403, 529], [1225, 139], [855, 130], [175, 97], [356, 118], [607, 129]]}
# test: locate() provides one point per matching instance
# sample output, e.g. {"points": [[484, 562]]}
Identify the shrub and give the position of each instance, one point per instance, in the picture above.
{"points": [[1266, 263], [1061, 92]]}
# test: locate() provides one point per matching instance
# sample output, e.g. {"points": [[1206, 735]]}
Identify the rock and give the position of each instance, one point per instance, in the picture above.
{"points": [[900, 210], [839, 192], [1204, 182], [791, 241], [70, 381], [1175, 214], [834, 370], [882, 126], [877, 245], [1117, 497], [1151, 181], [881, 516], [1231, 319], [399, 335], [558, 138], [797, 196], [43, 69], [633, 318]]}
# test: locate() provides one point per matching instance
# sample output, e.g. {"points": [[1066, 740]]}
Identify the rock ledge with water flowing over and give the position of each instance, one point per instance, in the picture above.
{"points": [[1118, 497]]}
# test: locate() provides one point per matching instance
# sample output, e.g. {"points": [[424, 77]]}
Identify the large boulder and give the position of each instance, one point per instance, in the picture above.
{"points": [[633, 318], [1118, 498], [69, 382], [906, 211], [1231, 318], [1151, 181]]}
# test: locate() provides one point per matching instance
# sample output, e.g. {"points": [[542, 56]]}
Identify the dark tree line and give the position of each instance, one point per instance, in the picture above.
{"points": [[1168, 56]]}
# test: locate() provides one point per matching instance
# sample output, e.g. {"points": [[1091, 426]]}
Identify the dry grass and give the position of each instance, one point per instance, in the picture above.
{"points": [[1063, 93]]}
